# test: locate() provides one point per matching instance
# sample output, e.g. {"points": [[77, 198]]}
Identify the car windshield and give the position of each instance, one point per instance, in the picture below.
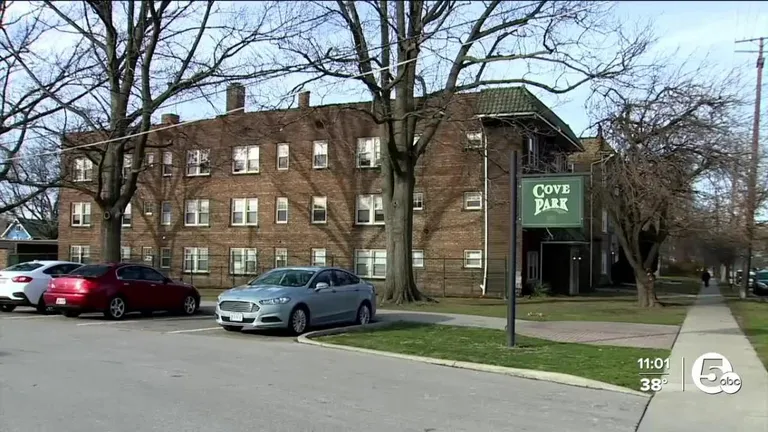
{"points": [[23, 267], [89, 271], [286, 277], [763, 275]]}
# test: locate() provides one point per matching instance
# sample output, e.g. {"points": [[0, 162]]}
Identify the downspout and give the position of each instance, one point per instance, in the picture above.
{"points": [[484, 287]]}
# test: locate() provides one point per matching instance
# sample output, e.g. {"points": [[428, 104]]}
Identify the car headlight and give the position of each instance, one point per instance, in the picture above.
{"points": [[274, 301]]}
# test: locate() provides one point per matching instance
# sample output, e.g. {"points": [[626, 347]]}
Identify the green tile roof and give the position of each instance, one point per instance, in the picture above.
{"points": [[518, 100]]}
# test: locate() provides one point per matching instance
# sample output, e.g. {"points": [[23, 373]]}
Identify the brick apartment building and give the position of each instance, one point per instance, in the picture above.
{"points": [[222, 199]]}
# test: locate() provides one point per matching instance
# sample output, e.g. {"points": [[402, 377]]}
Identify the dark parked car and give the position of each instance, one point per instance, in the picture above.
{"points": [[116, 289]]}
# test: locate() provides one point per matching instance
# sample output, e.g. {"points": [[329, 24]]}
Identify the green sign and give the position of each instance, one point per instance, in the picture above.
{"points": [[552, 202]]}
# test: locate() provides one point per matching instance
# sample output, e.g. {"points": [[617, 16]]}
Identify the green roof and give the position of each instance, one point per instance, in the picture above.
{"points": [[518, 100]]}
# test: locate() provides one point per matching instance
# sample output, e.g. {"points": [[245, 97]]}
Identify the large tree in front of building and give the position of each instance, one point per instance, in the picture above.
{"points": [[668, 130], [152, 54], [413, 56]]}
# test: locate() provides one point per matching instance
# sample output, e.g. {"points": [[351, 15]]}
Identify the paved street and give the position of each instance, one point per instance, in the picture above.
{"points": [[183, 374]]}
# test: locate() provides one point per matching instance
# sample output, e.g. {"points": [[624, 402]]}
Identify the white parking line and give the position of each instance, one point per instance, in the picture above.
{"points": [[27, 317], [194, 330], [148, 320]]}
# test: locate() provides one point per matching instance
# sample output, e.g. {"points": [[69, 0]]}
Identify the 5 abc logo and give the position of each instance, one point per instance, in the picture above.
{"points": [[729, 381]]}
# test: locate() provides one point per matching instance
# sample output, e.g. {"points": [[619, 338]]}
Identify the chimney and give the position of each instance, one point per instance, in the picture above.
{"points": [[168, 119], [235, 98], [304, 99]]}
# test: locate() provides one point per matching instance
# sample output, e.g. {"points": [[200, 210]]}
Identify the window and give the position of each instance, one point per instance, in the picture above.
{"points": [[83, 169], [151, 275], [167, 164], [344, 278], [79, 254], [605, 221], [165, 217], [283, 155], [320, 155], [245, 159], [198, 162], [318, 258], [319, 209], [245, 211], [149, 208], [370, 210], [127, 215], [474, 140], [149, 160], [417, 258], [418, 201], [281, 213], [281, 257], [533, 265], [473, 200], [604, 260], [197, 213], [368, 152], [125, 253], [473, 259], [81, 214], [127, 162], [147, 255], [165, 258], [195, 260], [371, 263], [242, 261], [532, 147]]}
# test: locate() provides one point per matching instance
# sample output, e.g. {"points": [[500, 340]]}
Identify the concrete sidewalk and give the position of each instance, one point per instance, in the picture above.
{"points": [[680, 406]]}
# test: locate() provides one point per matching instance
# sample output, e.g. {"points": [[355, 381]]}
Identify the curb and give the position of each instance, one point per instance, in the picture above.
{"points": [[555, 377]]}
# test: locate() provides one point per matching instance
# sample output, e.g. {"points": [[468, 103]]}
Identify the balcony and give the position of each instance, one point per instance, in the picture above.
{"points": [[548, 163]]}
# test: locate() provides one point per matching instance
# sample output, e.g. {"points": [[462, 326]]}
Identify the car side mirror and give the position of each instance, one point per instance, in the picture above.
{"points": [[321, 286]]}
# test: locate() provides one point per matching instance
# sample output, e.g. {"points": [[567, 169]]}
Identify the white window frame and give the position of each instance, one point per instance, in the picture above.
{"points": [[249, 157], [281, 254], [196, 256], [318, 257], [469, 259], [79, 254], [83, 210], [368, 150], [319, 148], [374, 204], [127, 165], [474, 140], [532, 269], [319, 203], [283, 153], [604, 259], [167, 169], [281, 202], [250, 207], [83, 168], [149, 159], [239, 266], [371, 258], [127, 212], [198, 163], [470, 197], [605, 221], [418, 198], [149, 208], [147, 252], [417, 258], [197, 210], [165, 254], [163, 213], [125, 253]]}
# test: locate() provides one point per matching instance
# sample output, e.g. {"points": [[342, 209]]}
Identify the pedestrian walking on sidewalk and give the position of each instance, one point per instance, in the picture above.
{"points": [[705, 277]]}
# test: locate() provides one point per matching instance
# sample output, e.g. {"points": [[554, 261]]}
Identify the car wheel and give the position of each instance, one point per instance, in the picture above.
{"points": [[7, 308], [42, 307], [116, 308], [71, 314], [190, 305], [363, 314], [298, 321], [232, 328]]}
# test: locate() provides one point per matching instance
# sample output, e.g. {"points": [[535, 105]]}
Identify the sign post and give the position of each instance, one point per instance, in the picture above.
{"points": [[512, 268]]}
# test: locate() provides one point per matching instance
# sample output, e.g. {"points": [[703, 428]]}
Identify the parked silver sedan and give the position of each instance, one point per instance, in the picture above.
{"points": [[297, 298]]}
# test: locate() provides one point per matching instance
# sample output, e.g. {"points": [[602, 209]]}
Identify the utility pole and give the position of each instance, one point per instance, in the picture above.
{"points": [[752, 181]]}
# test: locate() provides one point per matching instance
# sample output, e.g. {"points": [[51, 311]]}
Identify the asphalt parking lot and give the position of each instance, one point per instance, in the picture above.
{"points": [[201, 324]]}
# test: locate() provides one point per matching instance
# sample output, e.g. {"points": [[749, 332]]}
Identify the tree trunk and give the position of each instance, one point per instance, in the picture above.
{"points": [[646, 290], [112, 230], [398, 214]]}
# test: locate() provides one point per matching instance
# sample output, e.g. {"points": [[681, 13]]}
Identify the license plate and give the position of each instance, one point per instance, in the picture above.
{"points": [[61, 301], [238, 317]]}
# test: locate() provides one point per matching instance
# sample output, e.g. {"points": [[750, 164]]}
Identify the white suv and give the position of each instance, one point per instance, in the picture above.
{"points": [[23, 284]]}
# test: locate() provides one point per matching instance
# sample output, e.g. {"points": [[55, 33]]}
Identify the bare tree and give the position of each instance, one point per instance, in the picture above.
{"points": [[414, 56], [667, 131], [151, 54]]}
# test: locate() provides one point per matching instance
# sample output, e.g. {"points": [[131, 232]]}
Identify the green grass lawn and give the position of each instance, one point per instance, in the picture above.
{"points": [[614, 365], [210, 293], [752, 316]]}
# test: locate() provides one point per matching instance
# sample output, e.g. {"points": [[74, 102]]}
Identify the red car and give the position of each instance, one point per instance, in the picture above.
{"points": [[116, 289]]}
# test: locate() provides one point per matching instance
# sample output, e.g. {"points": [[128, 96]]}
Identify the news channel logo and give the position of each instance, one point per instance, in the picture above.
{"points": [[707, 380]]}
